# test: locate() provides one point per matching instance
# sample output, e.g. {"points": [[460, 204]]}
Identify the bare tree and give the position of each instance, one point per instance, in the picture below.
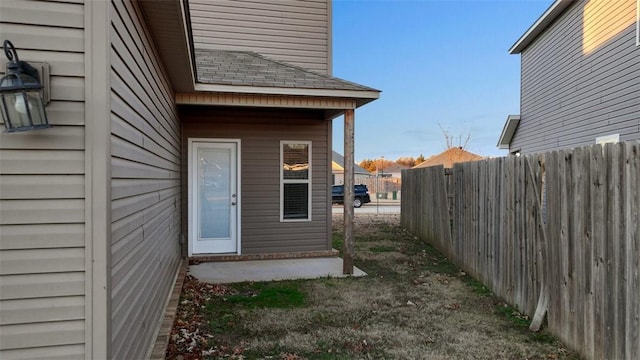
{"points": [[450, 139]]}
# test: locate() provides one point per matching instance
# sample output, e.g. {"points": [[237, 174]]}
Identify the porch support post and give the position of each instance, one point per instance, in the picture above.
{"points": [[348, 251]]}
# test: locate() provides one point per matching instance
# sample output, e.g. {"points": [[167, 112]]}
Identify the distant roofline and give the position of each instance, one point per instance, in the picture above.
{"points": [[540, 25], [445, 158], [338, 159]]}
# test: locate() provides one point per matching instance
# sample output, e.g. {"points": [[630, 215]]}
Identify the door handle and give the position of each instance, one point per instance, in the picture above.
{"points": [[233, 202]]}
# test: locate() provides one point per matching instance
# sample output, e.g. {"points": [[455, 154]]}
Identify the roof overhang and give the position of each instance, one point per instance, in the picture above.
{"points": [[360, 96], [540, 25], [171, 30], [508, 131], [170, 27], [264, 100], [332, 107], [336, 167]]}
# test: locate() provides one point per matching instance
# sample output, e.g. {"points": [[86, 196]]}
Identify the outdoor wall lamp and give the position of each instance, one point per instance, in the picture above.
{"points": [[21, 95]]}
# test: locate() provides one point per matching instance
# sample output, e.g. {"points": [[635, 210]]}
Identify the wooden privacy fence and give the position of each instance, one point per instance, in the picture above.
{"points": [[586, 254]]}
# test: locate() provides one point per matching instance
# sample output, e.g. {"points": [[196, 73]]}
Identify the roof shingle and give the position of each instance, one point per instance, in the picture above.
{"points": [[245, 68]]}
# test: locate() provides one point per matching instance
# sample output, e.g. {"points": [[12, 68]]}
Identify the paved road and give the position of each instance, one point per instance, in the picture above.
{"points": [[371, 208]]}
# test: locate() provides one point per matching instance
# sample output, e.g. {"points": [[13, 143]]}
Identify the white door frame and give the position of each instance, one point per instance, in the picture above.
{"points": [[191, 191]]}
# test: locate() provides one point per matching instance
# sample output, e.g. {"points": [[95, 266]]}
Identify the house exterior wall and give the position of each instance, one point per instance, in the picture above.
{"points": [[42, 193], [581, 79], [296, 32], [260, 131], [145, 186]]}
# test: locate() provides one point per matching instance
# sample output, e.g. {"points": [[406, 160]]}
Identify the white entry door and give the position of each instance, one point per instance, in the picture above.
{"points": [[213, 196]]}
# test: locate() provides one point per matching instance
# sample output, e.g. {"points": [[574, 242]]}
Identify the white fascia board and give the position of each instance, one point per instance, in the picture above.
{"points": [[354, 94], [189, 35], [540, 25], [508, 131]]}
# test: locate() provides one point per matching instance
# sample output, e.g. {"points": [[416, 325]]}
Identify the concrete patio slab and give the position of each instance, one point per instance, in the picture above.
{"points": [[268, 270]]}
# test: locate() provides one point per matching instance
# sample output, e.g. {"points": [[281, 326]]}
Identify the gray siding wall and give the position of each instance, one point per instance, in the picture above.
{"points": [[296, 32], [572, 94], [145, 169], [260, 132], [42, 194]]}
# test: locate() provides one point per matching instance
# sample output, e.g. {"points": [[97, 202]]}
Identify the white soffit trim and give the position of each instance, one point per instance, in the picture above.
{"points": [[540, 25], [186, 19], [508, 131], [354, 94], [301, 102]]}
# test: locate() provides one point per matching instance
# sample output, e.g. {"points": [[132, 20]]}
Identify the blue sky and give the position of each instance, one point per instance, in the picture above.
{"points": [[438, 63]]}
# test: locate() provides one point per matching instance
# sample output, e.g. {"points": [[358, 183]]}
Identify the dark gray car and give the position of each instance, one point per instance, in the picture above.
{"points": [[361, 195]]}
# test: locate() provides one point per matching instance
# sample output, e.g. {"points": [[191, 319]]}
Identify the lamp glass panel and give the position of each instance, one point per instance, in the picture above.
{"points": [[38, 116], [3, 111], [16, 109]]}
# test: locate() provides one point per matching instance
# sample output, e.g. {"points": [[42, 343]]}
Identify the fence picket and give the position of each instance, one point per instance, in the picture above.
{"points": [[553, 207], [632, 173], [616, 244], [588, 257], [579, 214], [564, 246]]}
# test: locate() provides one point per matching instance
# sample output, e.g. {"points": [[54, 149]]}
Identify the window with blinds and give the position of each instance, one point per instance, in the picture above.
{"points": [[295, 181]]}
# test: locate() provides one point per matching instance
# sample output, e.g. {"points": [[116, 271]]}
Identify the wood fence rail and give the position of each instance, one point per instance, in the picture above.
{"points": [[567, 220]]}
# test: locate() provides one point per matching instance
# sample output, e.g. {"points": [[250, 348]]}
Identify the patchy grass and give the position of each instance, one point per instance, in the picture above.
{"points": [[382, 249], [266, 295], [477, 286], [413, 305], [513, 315], [337, 242]]}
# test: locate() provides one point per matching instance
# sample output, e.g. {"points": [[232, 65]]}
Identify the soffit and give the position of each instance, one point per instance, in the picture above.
{"points": [[172, 36], [332, 107], [552, 13]]}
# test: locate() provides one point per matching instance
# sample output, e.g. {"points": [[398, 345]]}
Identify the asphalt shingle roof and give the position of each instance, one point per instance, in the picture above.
{"points": [[245, 68], [339, 160]]}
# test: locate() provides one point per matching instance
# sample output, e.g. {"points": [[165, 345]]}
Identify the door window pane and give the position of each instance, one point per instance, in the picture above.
{"points": [[214, 179]]}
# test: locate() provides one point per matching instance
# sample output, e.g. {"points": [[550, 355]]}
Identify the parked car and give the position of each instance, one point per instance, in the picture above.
{"points": [[361, 195]]}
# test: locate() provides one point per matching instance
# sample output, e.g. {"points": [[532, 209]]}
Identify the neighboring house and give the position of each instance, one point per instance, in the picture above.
{"points": [[179, 128], [394, 170], [337, 171], [580, 66], [449, 157]]}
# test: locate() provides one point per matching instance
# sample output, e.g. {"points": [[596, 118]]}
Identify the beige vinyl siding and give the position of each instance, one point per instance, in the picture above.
{"points": [[145, 187], [296, 32], [260, 132], [573, 90], [42, 193]]}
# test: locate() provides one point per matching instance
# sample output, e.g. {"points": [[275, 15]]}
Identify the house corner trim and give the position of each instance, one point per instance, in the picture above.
{"points": [[97, 181]]}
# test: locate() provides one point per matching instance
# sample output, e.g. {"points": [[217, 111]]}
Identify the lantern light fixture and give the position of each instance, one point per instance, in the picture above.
{"points": [[21, 95]]}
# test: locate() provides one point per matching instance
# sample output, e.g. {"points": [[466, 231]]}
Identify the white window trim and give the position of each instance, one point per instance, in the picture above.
{"points": [[296, 181]]}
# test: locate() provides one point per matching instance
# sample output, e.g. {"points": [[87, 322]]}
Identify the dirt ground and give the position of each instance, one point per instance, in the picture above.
{"points": [[412, 305]]}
